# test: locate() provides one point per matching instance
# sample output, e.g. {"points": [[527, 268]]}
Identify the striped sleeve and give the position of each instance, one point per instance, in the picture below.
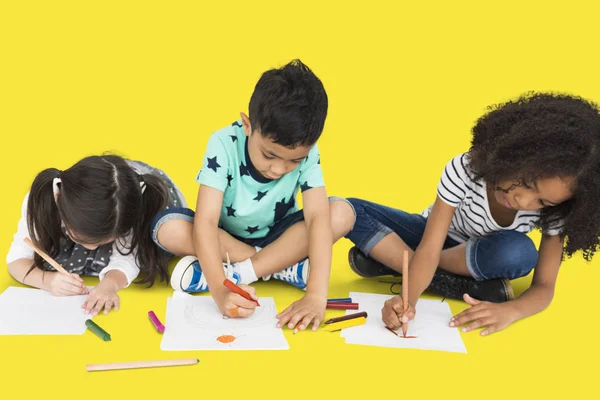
{"points": [[453, 187], [555, 228]]}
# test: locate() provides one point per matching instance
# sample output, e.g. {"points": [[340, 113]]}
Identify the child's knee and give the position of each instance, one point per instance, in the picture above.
{"points": [[342, 216], [507, 254], [522, 258], [173, 231]]}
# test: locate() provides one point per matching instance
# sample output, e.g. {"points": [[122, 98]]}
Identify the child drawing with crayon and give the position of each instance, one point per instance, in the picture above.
{"points": [[92, 219], [246, 208], [533, 163]]}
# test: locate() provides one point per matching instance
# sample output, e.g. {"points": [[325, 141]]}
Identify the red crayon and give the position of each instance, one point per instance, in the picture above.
{"points": [[343, 306], [236, 289]]}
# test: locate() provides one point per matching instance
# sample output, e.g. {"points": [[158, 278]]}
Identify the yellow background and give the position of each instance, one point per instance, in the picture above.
{"points": [[151, 80]]}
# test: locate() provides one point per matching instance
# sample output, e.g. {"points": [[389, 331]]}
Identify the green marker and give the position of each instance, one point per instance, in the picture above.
{"points": [[97, 330]]}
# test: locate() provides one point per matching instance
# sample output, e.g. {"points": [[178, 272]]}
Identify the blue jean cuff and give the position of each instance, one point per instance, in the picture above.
{"points": [[375, 238], [184, 214], [471, 258]]}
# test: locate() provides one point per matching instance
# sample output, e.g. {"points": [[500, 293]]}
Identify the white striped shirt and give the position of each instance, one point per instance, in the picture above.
{"points": [[472, 217]]}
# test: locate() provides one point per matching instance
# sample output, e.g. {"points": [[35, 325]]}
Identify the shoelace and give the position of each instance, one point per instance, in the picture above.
{"points": [[289, 274]]}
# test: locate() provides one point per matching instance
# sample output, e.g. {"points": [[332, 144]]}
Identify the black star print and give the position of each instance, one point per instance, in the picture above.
{"points": [[236, 123], [244, 170], [230, 211], [260, 195], [233, 138], [319, 162], [304, 187], [282, 207], [229, 179], [252, 229], [213, 164]]}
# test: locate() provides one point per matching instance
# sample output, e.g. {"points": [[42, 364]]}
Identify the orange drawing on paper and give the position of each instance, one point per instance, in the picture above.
{"points": [[226, 338]]}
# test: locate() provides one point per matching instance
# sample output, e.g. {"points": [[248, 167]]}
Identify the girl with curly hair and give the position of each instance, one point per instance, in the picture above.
{"points": [[533, 163]]}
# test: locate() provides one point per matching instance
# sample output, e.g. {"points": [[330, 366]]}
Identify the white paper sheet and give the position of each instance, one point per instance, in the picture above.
{"points": [[195, 323], [430, 326], [25, 311]]}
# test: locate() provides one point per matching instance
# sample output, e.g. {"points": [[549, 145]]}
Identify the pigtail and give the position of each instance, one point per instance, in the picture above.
{"points": [[43, 218], [152, 259]]}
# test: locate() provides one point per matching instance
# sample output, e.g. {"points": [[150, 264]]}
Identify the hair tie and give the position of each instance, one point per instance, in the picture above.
{"points": [[142, 184], [55, 188]]}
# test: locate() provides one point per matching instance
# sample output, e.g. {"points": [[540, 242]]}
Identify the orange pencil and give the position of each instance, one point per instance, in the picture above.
{"points": [[405, 289], [48, 259], [236, 289]]}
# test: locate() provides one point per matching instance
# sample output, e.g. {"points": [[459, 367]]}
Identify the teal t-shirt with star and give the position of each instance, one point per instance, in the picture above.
{"points": [[252, 204]]}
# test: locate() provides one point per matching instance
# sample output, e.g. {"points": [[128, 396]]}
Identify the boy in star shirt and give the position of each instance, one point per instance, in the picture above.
{"points": [[246, 207]]}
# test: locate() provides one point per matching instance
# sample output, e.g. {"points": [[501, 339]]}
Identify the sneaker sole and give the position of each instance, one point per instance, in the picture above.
{"points": [[508, 288], [353, 265], [181, 270]]}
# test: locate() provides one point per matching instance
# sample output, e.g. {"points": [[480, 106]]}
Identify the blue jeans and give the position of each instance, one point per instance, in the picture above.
{"points": [[186, 214], [505, 254]]}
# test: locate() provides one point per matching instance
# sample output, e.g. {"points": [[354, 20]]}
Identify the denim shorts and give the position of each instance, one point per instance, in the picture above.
{"points": [[504, 254], [275, 231]]}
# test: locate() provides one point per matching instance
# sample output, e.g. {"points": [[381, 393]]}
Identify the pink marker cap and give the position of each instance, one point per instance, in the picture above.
{"points": [[155, 321]]}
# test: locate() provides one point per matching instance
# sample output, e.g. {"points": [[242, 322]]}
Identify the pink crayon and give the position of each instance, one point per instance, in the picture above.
{"points": [[157, 324]]}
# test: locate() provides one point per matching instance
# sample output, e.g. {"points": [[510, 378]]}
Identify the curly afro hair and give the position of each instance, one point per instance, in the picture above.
{"points": [[545, 135]]}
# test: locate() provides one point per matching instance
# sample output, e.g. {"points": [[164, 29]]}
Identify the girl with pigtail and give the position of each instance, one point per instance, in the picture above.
{"points": [[93, 218]]}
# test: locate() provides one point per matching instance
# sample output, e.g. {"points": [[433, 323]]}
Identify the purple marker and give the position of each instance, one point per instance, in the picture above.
{"points": [[159, 327]]}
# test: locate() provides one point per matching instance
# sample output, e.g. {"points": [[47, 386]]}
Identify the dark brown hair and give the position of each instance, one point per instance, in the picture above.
{"points": [[100, 199]]}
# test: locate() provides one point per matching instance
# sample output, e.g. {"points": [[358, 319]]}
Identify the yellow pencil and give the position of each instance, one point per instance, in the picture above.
{"points": [[345, 324]]}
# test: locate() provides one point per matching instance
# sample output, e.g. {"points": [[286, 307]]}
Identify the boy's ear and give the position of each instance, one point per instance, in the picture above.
{"points": [[246, 124]]}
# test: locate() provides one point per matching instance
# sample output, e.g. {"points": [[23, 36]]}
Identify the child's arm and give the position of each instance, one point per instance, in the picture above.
{"points": [[422, 266], [208, 249], [427, 255], [20, 260], [53, 282], [533, 300], [311, 307]]}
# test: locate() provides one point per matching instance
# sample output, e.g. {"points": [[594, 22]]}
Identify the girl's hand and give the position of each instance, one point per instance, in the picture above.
{"points": [[393, 314], [102, 296], [494, 316], [300, 314], [62, 285], [233, 305]]}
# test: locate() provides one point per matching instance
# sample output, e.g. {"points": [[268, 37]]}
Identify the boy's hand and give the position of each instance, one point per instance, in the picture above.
{"points": [[104, 295], [233, 305], [393, 314], [310, 308], [494, 316], [62, 285]]}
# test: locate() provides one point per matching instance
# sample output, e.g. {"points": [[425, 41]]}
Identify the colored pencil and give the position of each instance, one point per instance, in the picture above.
{"points": [[48, 259], [405, 289], [343, 306], [346, 317], [344, 300], [345, 324], [141, 364], [235, 288]]}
